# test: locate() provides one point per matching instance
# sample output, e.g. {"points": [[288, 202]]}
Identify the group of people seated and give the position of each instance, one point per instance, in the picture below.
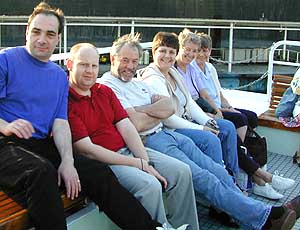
{"points": [[129, 136]]}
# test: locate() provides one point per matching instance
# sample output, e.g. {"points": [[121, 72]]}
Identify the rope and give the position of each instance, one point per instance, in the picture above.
{"points": [[247, 61], [251, 83], [242, 61]]}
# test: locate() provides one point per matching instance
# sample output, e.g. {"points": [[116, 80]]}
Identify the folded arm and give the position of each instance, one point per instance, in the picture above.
{"points": [[142, 121], [162, 107]]}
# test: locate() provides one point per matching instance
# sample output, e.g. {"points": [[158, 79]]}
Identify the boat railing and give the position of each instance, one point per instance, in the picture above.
{"points": [[231, 53], [272, 61]]}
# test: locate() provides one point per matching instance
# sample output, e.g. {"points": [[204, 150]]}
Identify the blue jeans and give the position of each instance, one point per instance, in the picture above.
{"points": [[206, 141], [220, 149], [228, 137], [211, 179]]}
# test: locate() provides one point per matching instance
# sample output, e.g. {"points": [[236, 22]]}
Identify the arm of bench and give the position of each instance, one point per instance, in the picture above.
{"points": [[14, 217], [268, 118]]}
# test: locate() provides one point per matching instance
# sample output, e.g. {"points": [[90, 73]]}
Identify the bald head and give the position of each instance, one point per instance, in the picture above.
{"points": [[83, 66], [79, 46]]}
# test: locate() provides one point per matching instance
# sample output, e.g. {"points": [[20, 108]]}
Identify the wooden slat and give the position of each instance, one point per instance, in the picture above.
{"points": [[15, 217], [283, 79], [268, 118]]}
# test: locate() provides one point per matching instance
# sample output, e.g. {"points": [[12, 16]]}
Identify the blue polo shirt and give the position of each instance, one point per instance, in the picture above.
{"points": [[32, 90]]}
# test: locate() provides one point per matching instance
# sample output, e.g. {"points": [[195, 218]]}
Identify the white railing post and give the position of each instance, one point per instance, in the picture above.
{"points": [[119, 31], [272, 62], [230, 47], [284, 46], [270, 70], [65, 40], [132, 27]]}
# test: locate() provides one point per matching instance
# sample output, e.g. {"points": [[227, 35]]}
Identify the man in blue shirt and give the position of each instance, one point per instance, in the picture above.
{"points": [[35, 141]]}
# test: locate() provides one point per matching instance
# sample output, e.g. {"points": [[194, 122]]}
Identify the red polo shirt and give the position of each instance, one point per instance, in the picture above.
{"points": [[96, 117]]}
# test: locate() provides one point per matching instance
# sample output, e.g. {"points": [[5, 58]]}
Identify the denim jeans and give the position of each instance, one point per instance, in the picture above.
{"points": [[219, 149], [228, 137], [206, 141], [211, 179]]}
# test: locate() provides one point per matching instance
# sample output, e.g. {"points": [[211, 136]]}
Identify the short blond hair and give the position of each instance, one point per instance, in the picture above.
{"points": [[188, 36]]}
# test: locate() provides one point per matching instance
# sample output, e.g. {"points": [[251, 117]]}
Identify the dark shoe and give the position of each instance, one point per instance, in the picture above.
{"points": [[222, 217], [285, 222], [296, 158], [294, 204]]}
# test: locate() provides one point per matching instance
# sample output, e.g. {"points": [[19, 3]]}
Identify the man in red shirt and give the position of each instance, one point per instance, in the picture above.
{"points": [[102, 130]]}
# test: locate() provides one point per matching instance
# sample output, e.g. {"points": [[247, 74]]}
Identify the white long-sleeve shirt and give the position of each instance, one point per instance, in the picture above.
{"points": [[184, 114]]}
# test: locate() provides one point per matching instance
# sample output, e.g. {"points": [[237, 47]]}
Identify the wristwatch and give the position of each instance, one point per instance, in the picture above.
{"points": [[151, 163]]}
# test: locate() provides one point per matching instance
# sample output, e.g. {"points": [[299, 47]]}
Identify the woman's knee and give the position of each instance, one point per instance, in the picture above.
{"points": [[213, 140], [226, 125]]}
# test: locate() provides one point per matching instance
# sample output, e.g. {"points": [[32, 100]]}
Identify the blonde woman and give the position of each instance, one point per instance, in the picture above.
{"points": [[216, 186]]}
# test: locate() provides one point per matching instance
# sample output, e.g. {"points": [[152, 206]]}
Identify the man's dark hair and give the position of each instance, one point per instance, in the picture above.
{"points": [[45, 8]]}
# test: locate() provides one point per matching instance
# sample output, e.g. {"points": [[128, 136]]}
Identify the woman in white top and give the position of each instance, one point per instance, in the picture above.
{"points": [[189, 119], [167, 81]]}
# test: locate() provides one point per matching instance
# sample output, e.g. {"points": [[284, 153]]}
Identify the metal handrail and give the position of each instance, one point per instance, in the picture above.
{"points": [[150, 22], [272, 61], [102, 50]]}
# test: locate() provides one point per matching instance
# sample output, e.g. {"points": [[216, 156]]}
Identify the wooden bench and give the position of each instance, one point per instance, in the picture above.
{"points": [[268, 118], [15, 217], [280, 139]]}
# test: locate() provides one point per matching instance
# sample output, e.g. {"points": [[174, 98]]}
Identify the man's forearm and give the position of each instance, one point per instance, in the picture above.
{"points": [[161, 109], [62, 138], [132, 138], [142, 121], [86, 147]]}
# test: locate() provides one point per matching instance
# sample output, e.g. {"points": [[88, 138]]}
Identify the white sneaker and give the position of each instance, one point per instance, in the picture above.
{"points": [[281, 183], [266, 191], [165, 227]]}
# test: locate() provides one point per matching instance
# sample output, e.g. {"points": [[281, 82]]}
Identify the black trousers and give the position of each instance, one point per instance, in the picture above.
{"points": [[28, 175], [245, 118], [245, 161]]}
